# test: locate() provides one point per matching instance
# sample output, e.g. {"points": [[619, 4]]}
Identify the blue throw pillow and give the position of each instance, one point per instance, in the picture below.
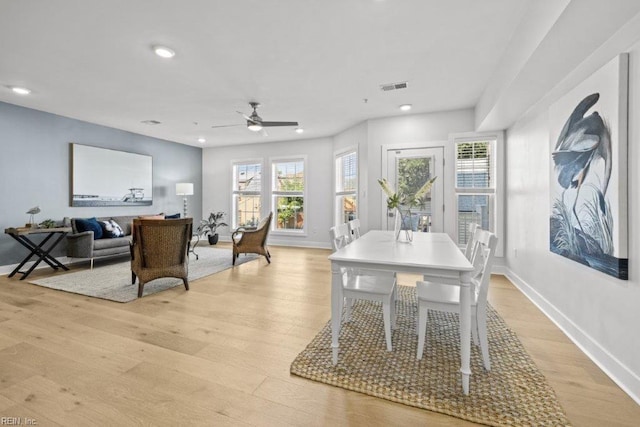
{"points": [[174, 216], [89, 224]]}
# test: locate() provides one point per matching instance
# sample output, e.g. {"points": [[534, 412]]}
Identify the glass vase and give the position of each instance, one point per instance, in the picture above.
{"points": [[403, 226]]}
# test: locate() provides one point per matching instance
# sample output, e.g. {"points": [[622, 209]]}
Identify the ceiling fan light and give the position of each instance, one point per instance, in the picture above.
{"points": [[299, 130], [254, 127], [164, 52]]}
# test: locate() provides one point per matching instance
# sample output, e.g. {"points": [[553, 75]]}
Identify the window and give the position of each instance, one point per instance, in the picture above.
{"points": [[247, 194], [288, 194], [475, 186], [346, 187]]}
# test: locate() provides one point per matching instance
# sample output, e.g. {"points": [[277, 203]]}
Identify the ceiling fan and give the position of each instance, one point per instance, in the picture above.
{"points": [[255, 122]]}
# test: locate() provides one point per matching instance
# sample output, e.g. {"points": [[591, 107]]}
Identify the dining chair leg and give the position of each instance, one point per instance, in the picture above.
{"points": [[423, 312], [393, 307], [484, 343], [386, 316], [474, 329], [348, 304]]}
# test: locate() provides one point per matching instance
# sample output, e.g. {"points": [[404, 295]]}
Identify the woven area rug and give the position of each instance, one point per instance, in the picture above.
{"points": [[113, 281], [513, 393]]}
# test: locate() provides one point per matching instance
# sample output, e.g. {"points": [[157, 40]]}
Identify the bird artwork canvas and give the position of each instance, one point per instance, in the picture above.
{"points": [[588, 221]]}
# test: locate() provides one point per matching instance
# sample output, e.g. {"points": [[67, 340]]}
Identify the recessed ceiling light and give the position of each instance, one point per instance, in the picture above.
{"points": [[299, 130], [164, 52], [405, 107], [202, 140], [20, 90]]}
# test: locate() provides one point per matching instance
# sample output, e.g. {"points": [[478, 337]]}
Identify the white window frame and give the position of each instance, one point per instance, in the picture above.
{"points": [[496, 192], [337, 174], [275, 194], [235, 191]]}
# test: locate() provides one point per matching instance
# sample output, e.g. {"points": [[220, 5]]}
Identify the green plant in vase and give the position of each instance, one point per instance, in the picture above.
{"points": [[403, 203], [47, 223]]}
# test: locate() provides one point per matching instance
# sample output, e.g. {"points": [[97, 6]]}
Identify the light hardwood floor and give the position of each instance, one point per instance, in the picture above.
{"points": [[220, 355]]}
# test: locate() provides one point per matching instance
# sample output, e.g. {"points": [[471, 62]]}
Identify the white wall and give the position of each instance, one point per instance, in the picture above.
{"points": [[431, 129], [599, 312], [357, 136], [426, 130], [217, 175]]}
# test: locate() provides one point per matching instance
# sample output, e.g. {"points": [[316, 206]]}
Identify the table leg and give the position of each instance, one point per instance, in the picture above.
{"points": [[336, 309], [465, 329], [33, 250], [44, 255], [39, 251]]}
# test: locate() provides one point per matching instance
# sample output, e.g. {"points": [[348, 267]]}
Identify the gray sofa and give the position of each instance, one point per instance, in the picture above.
{"points": [[82, 244]]}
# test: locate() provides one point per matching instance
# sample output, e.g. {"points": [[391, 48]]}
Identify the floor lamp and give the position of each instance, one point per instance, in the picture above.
{"points": [[184, 189]]}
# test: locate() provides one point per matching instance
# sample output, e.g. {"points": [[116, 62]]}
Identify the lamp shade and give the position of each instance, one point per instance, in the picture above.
{"points": [[184, 189]]}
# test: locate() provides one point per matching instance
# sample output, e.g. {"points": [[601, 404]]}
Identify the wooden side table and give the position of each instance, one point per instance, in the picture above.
{"points": [[22, 235]]}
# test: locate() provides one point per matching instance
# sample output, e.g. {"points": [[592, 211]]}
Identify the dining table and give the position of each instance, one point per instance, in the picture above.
{"points": [[433, 254]]}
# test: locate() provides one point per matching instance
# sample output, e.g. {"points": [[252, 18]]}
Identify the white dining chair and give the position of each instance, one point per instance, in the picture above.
{"points": [[366, 285], [354, 229], [468, 253], [471, 242], [445, 297]]}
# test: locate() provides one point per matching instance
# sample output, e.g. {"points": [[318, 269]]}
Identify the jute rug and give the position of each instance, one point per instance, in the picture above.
{"points": [[113, 281], [513, 393]]}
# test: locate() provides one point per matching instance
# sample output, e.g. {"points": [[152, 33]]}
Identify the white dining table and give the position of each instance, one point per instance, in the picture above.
{"points": [[428, 253]]}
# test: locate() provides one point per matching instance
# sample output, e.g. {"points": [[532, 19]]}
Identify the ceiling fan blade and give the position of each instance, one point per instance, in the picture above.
{"points": [[270, 124], [246, 117], [227, 126]]}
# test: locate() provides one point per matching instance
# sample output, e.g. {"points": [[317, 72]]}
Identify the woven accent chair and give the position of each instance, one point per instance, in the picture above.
{"points": [[252, 241], [159, 249]]}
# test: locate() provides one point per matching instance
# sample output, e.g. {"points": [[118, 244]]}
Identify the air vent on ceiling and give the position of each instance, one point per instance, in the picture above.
{"points": [[150, 122], [393, 86]]}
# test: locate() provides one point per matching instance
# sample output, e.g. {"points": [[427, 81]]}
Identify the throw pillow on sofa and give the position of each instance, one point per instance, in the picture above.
{"points": [[174, 216], [111, 229], [89, 224], [159, 216]]}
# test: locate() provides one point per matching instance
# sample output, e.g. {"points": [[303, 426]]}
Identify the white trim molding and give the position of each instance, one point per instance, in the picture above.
{"points": [[626, 379]]}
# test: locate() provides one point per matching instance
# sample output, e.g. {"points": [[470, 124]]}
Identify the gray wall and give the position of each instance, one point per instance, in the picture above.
{"points": [[35, 171]]}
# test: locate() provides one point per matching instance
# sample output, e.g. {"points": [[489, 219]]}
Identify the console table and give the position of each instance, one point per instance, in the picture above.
{"points": [[23, 236]]}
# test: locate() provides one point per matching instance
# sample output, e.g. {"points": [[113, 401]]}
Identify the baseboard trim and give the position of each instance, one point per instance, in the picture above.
{"points": [[626, 379]]}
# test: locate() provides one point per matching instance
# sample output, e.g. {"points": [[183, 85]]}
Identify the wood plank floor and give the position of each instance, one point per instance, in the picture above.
{"points": [[220, 355]]}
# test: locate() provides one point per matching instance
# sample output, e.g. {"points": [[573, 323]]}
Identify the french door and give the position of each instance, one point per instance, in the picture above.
{"points": [[407, 170]]}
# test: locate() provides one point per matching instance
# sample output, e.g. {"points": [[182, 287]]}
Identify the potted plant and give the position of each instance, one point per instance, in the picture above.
{"points": [[209, 226]]}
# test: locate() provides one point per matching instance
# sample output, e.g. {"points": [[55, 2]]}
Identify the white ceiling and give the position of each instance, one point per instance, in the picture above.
{"points": [[308, 61]]}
